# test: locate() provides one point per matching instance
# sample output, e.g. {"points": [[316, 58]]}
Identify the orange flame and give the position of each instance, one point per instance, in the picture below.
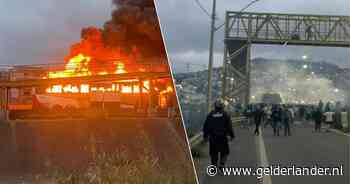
{"points": [[128, 87], [78, 66]]}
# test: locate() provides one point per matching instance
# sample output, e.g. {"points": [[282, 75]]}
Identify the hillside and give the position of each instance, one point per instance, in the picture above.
{"points": [[297, 81]]}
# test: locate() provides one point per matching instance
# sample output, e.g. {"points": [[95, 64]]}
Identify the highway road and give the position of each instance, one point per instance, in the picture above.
{"points": [[304, 148]]}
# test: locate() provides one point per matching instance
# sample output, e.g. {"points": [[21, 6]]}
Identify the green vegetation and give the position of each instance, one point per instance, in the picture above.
{"points": [[117, 168], [122, 167]]}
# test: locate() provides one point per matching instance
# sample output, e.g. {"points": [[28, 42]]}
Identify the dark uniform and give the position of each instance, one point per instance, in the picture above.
{"points": [[276, 117], [258, 117], [318, 120], [216, 128]]}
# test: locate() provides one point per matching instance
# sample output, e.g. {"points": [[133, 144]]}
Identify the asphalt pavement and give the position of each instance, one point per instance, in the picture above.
{"points": [[305, 148]]}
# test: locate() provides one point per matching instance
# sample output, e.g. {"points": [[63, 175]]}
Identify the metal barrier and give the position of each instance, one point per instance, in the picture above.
{"points": [[198, 138]]}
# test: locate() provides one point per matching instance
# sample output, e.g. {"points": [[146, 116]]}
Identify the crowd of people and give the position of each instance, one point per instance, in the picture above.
{"points": [[280, 116], [277, 116], [218, 126]]}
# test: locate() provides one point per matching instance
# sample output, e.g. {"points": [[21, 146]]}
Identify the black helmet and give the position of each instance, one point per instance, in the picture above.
{"points": [[219, 104]]}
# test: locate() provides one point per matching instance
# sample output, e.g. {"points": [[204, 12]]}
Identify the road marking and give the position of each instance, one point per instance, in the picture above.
{"points": [[262, 156], [339, 132]]}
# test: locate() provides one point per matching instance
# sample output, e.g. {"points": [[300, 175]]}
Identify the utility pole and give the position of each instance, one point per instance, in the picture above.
{"points": [[211, 51]]}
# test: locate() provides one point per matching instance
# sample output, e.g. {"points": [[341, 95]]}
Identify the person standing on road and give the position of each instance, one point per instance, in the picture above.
{"points": [[318, 119], [328, 119], [292, 115], [258, 117], [337, 117], [268, 113], [320, 105], [217, 128], [265, 115], [286, 119], [302, 113], [276, 119]]}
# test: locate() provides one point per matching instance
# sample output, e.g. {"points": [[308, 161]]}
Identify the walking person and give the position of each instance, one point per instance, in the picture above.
{"points": [[302, 113], [292, 115], [318, 119], [286, 119], [217, 128], [258, 117], [308, 33], [337, 119], [328, 119], [276, 119], [268, 113]]}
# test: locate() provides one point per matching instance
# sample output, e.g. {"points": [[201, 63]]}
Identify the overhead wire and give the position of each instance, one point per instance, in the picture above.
{"points": [[202, 8]]}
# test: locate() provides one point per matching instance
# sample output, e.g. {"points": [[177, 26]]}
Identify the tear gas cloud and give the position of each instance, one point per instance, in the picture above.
{"points": [[297, 83]]}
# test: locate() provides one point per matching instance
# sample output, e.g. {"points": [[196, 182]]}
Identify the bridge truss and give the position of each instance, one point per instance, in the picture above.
{"points": [[244, 29]]}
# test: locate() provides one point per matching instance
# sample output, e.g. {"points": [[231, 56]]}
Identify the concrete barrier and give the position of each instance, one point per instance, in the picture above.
{"points": [[198, 138]]}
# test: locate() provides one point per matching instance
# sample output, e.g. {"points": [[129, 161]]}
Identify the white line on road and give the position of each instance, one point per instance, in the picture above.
{"points": [[262, 156], [339, 132]]}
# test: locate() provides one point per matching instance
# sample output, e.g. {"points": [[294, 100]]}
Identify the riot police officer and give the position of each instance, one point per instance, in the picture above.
{"points": [[217, 128]]}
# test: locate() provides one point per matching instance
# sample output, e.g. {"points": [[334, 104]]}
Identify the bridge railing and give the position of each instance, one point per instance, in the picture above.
{"points": [[274, 28], [198, 138]]}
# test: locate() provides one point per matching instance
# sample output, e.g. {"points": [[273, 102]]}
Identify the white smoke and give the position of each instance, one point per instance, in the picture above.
{"points": [[296, 84]]}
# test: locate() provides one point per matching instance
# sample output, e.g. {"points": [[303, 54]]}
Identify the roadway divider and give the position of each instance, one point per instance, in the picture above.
{"points": [[198, 138]]}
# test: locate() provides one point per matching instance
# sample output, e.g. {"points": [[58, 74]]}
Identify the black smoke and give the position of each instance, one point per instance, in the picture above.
{"points": [[134, 25]]}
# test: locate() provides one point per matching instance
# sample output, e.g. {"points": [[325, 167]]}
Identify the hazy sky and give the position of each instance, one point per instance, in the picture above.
{"points": [[43, 31], [186, 29]]}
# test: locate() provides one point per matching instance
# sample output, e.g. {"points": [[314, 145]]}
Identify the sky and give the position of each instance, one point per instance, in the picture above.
{"points": [[186, 29], [42, 32]]}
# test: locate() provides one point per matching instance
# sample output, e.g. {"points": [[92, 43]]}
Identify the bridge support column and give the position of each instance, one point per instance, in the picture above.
{"points": [[4, 110], [248, 66], [236, 71]]}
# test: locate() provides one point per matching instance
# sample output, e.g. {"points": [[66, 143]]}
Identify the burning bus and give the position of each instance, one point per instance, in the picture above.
{"points": [[121, 66], [67, 91]]}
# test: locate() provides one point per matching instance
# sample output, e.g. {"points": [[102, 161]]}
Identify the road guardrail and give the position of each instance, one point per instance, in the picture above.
{"points": [[198, 138]]}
